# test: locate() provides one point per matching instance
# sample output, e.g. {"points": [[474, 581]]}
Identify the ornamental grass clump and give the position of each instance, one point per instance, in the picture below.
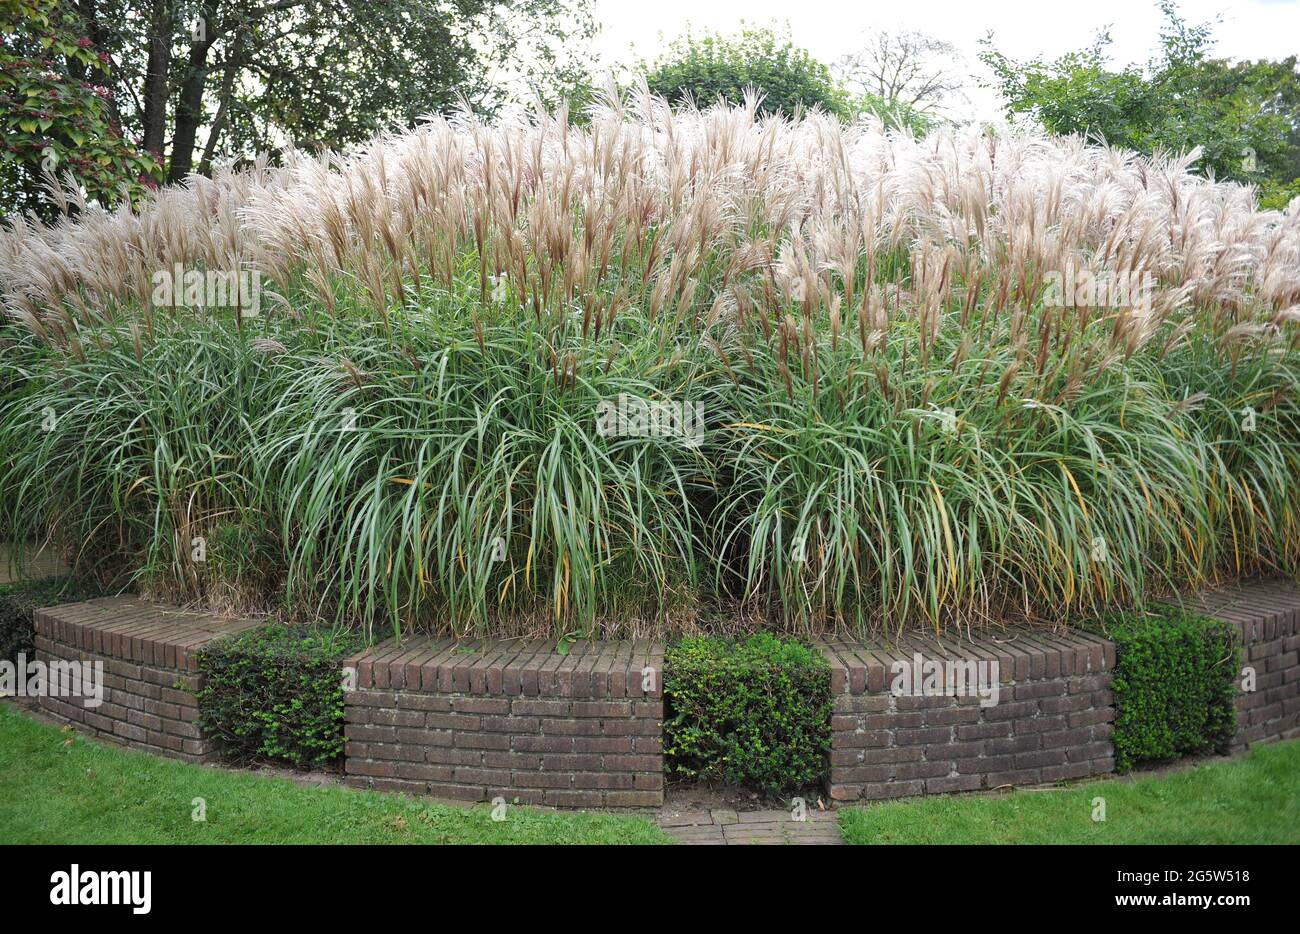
{"points": [[900, 385], [463, 478], [138, 456]]}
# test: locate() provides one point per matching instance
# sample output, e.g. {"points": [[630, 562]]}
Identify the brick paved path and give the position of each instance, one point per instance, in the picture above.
{"points": [[724, 827]]}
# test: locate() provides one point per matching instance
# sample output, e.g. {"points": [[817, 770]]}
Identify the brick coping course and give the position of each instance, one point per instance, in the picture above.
{"points": [[512, 667], [134, 630]]}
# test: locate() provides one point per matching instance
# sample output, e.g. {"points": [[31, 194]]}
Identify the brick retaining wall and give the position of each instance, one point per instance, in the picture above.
{"points": [[1051, 720], [150, 673], [1266, 616], [520, 721], [515, 720]]}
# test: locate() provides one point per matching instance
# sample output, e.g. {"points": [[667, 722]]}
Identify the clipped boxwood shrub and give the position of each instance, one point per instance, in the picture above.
{"points": [[276, 693], [753, 712], [1173, 684], [18, 605]]}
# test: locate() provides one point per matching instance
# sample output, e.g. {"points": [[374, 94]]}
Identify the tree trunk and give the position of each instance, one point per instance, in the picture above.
{"points": [[189, 108], [155, 80], [99, 72], [234, 61]]}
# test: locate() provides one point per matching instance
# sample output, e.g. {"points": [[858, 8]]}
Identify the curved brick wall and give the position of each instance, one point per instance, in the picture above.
{"points": [[515, 720], [150, 672], [520, 721], [1266, 616], [1038, 710]]}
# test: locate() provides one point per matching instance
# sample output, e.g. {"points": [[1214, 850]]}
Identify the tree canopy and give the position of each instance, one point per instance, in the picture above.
{"points": [[57, 113], [191, 81], [1244, 115], [708, 68]]}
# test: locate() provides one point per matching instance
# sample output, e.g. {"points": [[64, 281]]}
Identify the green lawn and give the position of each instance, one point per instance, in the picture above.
{"points": [[87, 792], [1250, 800]]}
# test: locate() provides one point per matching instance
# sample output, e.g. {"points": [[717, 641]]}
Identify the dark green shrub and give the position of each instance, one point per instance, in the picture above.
{"points": [[1173, 685], [753, 712], [709, 67], [20, 601], [276, 693]]}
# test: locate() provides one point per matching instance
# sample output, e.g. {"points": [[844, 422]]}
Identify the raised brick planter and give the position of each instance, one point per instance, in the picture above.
{"points": [[150, 673], [1051, 720], [520, 721], [510, 719], [1266, 616]]}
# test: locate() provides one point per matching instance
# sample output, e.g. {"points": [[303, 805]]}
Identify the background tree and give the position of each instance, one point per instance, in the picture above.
{"points": [[908, 74], [1244, 115], [710, 67], [191, 81], [895, 114], [57, 114]]}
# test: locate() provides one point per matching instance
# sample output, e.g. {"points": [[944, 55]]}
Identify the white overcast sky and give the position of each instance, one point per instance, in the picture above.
{"points": [[1022, 28]]}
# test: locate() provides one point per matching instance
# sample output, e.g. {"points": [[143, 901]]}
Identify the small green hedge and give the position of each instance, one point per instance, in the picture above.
{"points": [[753, 712], [1173, 685], [276, 693], [20, 601]]}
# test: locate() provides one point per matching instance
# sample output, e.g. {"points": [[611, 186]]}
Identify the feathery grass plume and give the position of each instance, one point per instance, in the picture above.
{"points": [[923, 401]]}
